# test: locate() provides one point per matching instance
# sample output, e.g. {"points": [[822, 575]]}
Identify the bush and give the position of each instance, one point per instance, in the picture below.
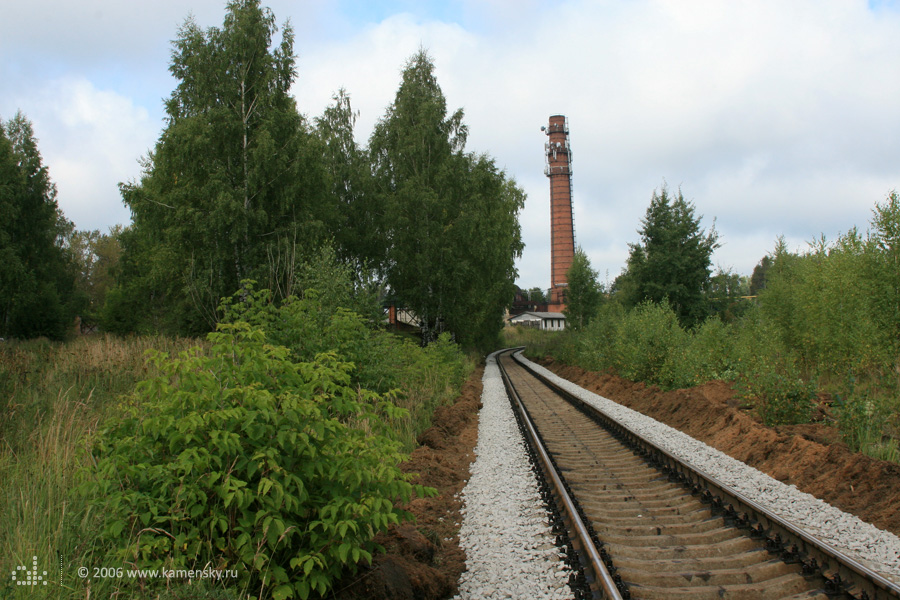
{"points": [[704, 355], [596, 347], [645, 338], [783, 399], [419, 378], [768, 372], [245, 459]]}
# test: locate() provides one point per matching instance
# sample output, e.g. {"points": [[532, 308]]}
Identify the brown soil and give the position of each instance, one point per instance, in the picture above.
{"points": [[423, 559], [810, 457]]}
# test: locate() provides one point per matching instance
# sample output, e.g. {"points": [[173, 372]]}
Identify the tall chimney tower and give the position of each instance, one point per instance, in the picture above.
{"points": [[562, 233]]}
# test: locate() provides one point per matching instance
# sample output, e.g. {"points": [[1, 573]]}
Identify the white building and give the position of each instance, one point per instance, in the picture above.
{"points": [[549, 321]]}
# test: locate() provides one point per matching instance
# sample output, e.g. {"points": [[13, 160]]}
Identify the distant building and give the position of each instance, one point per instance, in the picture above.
{"points": [[548, 321]]}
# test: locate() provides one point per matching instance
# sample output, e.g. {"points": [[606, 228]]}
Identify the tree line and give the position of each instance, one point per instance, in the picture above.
{"points": [[811, 334], [672, 264], [241, 186]]}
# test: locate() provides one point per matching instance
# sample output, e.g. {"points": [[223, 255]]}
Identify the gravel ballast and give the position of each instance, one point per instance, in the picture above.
{"points": [[505, 530], [877, 549]]}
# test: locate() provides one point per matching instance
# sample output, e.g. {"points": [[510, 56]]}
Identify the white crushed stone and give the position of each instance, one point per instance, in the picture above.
{"points": [[505, 530], [877, 549]]}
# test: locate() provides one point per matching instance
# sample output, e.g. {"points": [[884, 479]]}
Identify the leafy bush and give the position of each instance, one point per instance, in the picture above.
{"points": [[243, 458], [864, 413], [596, 348], [705, 354], [768, 372], [644, 340], [419, 378], [783, 399]]}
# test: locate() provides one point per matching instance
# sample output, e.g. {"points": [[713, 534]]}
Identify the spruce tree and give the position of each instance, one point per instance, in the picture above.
{"points": [[672, 262], [36, 274]]}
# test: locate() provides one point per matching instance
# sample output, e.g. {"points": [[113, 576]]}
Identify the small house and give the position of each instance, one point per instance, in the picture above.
{"points": [[548, 321]]}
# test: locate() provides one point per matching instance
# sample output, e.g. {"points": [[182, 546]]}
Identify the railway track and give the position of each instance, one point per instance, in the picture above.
{"points": [[645, 525]]}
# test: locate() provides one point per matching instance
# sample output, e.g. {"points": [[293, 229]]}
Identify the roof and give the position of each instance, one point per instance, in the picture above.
{"points": [[542, 315]]}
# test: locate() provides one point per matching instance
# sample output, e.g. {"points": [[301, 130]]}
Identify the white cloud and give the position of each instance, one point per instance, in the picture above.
{"points": [[774, 117], [90, 141]]}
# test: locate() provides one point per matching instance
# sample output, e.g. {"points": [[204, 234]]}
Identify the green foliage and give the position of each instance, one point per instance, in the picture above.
{"points": [[453, 235], [672, 261], [240, 187], [885, 270], [233, 189], [95, 257], [359, 229], [536, 295], [726, 294], [785, 400], [597, 347], [768, 373], [242, 457], [637, 344], [824, 304], [584, 293], [644, 340], [825, 320], [863, 416], [760, 275], [36, 273], [705, 354], [52, 396], [421, 378]]}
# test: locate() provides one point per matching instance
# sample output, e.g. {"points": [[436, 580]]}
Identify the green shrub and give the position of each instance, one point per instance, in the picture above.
{"points": [[246, 459], [768, 372], [705, 354], [864, 414], [420, 378], [644, 340], [596, 348], [783, 399]]}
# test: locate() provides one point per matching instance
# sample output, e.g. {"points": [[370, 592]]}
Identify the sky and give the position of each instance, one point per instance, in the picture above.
{"points": [[773, 117]]}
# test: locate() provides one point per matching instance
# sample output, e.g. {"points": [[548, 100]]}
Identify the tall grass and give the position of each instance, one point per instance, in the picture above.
{"points": [[54, 396]]}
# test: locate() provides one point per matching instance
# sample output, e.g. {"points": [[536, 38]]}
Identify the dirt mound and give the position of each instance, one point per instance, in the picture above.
{"points": [[810, 457], [423, 559]]}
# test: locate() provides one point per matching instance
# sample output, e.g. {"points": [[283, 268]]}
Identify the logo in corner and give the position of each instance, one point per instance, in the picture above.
{"points": [[22, 576]]}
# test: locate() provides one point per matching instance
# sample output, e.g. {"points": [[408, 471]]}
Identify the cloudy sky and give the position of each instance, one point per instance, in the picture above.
{"points": [[774, 117]]}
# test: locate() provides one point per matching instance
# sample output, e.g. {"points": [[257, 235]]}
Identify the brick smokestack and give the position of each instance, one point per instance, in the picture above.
{"points": [[562, 233]]}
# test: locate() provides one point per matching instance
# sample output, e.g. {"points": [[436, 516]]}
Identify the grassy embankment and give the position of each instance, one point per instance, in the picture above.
{"points": [[824, 329], [54, 397], [647, 344]]}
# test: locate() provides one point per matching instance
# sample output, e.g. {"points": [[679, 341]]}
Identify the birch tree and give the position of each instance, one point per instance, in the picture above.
{"points": [[231, 181], [452, 233]]}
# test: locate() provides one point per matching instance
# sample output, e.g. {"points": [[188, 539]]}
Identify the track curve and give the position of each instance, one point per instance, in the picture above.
{"points": [[660, 539]]}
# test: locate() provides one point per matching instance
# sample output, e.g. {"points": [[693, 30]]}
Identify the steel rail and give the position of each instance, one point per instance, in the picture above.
{"points": [[605, 581], [843, 573]]}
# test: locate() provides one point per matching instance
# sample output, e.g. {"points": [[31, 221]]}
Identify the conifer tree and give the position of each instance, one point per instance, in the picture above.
{"points": [[36, 274], [672, 262]]}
